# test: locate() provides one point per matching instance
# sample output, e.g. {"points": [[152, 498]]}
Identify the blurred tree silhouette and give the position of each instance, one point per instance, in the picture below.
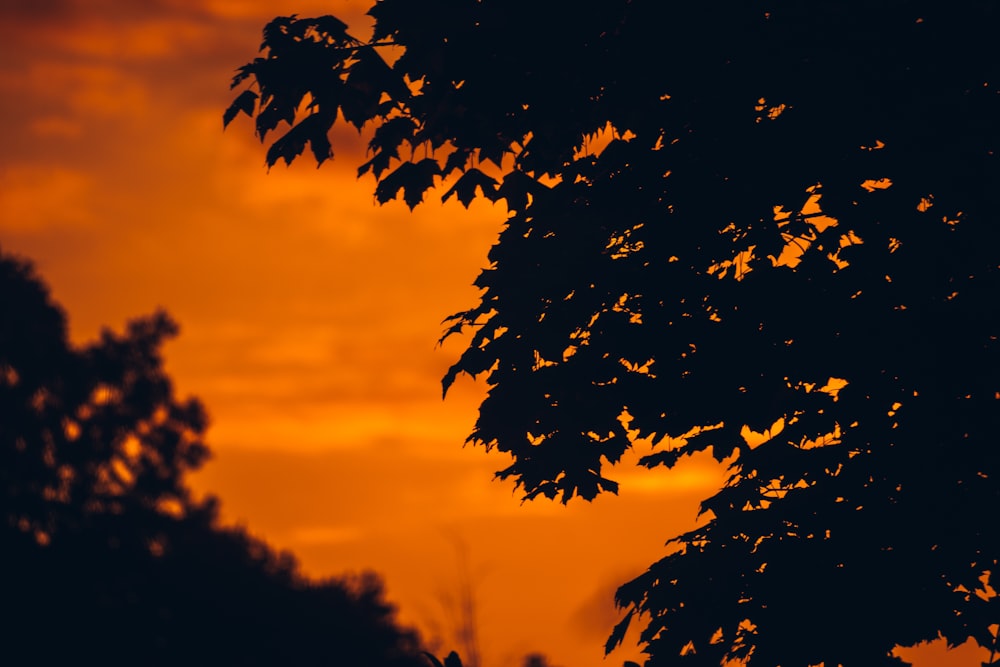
{"points": [[761, 229], [107, 557], [535, 660]]}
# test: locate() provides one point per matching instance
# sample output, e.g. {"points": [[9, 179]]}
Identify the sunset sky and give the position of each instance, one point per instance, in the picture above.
{"points": [[309, 321]]}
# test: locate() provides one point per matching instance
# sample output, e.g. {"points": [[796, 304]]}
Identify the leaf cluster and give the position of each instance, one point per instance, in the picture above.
{"points": [[724, 219], [312, 71]]}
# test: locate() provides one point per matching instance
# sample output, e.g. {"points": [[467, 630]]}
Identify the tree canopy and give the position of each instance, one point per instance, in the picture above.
{"points": [[761, 229], [108, 558]]}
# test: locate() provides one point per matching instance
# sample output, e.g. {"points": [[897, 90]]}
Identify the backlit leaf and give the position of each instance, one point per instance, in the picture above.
{"points": [[245, 102], [465, 187]]}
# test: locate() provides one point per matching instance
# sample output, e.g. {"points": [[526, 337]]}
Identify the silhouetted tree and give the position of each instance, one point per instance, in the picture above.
{"points": [[724, 217], [107, 558]]}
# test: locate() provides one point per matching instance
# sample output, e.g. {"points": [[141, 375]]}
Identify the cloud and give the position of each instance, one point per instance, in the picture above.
{"points": [[55, 126], [91, 90], [325, 535], [394, 485], [44, 196], [593, 619], [36, 10], [598, 613]]}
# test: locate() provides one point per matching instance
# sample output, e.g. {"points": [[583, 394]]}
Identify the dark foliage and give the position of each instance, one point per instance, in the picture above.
{"points": [[723, 216], [107, 558]]}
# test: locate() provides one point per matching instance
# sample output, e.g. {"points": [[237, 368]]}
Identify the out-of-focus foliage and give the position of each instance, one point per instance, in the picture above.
{"points": [[107, 557], [725, 219]]}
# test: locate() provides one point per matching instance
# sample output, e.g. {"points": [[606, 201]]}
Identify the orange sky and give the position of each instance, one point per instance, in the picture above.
{"points": [[309, 320]]}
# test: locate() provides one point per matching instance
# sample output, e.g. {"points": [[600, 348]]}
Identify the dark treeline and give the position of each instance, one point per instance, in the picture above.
{"points": [[107, 557]]}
